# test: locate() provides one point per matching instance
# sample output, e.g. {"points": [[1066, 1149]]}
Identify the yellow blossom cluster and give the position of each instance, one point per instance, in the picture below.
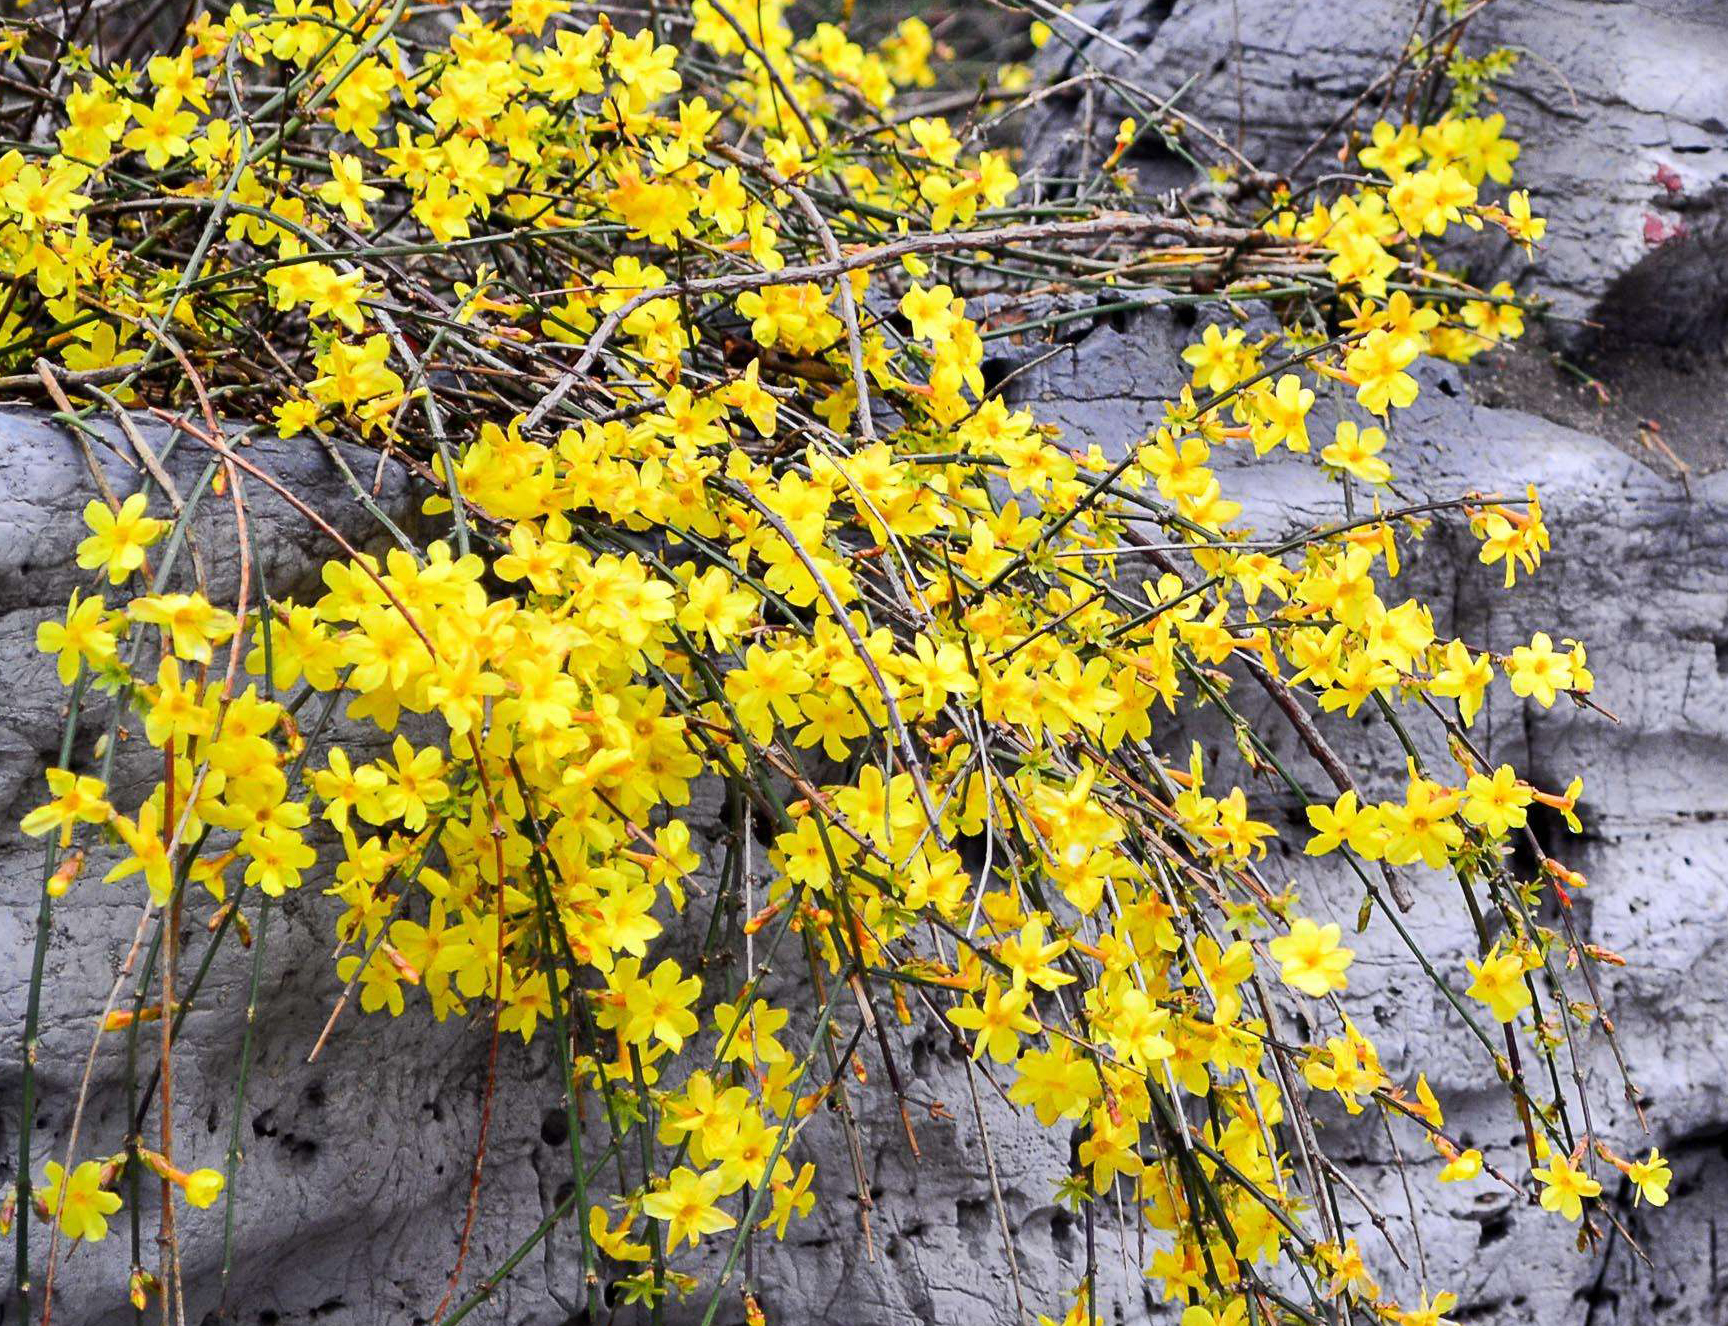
{"points": [[694, 371]]}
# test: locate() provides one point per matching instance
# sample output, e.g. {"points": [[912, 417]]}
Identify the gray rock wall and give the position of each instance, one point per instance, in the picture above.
{"points": [[355, 1172], [1639, 571], [356, 1168], [1621, 107]]}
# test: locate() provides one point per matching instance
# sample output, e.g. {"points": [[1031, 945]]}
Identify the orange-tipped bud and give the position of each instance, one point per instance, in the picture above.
{"points": [[66, 874], [139, 1287], [762, 917], [409, 971], [121, 1018]]}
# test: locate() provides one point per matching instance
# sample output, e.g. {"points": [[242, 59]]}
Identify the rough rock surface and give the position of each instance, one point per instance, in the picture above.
{"points": [[1640, 571], [356, 1167], [1621, 107]]}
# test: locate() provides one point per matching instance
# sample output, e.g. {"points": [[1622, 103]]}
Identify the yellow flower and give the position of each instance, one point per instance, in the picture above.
{"points": [[1499, 983], [1422, 829], [1651, 1176], [1283, 415], [789, 1199], [1527, 229], [149, 853], [1565, 1189], [1377, 365], [353, 374], [531, 15], [1393, 149], [1136, 1030], [1463, 1167], [101, 347], [1430, 1313], [1357, 451], [118, 538], [177, 78], [643, 69], [688, 1203], [277, 857], [336, 295], [444, 210], [658, 1006], [77, 800], [1234, 1312], [1428, 201], [999, 1023], [615, 1243], [347, 189], [81, 1204], [1464, 677], [1538, 671], [1349, 1069], [1497, 803], [1032, 959], [343, 787], [766, 688], [1313, 960], [176, 709], [1059, 1083], [657, 210], [296, 416], [203, 1186], [41, 199], [570, 67], [412, 784], [190, 623], [1346, 824], [162, 129], [1220, 360], [86, 637], [932, 311]]}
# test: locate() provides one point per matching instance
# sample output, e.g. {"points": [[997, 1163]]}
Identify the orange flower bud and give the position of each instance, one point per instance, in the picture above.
{"points": [[410, 973], [68, 871], [762, 917], [139, 1286]]}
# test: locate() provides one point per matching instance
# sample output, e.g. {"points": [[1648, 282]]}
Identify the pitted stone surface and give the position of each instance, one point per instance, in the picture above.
{"points": [[356, 1167], [1639, 570], [355, 1171], [1621, 107]]}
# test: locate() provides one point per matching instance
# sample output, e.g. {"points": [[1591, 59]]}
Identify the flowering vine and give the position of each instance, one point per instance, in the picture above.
{"points": [[683, 328]]}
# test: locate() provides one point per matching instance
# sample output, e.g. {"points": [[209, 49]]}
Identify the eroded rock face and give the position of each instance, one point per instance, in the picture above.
{"points": [[1621, 107], [356, 1167], [1639, 570]]}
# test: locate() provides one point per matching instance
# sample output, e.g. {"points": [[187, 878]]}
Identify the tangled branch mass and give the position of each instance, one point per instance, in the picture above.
{"points": [[679, 320]]}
